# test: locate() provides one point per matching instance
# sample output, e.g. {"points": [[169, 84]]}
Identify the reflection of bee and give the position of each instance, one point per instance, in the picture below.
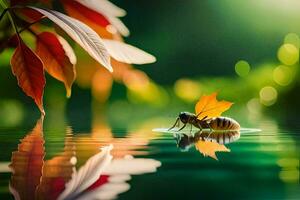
{"points": [[184, 141], [216, 123]]}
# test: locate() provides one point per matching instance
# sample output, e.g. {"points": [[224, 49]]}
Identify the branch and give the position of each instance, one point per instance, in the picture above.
{"points": [[3, 13]]}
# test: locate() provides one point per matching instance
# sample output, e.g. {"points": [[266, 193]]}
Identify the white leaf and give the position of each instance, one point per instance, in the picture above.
{"points": [[126, 53], [87, 174], [108, 10], [88, 39]]}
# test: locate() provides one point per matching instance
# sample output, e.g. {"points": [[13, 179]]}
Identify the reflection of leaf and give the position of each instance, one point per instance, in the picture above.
{"points": [[126, 53], [58, 58], [56, 172], [27, 163], [208, 106], [87, 174], [28, 69], [208, 148], [88, 39]]}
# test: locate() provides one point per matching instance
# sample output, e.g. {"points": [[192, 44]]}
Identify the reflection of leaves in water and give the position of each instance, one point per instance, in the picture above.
{"points": [[57, 171], [87, 174], [27, 163], [208, 148]]}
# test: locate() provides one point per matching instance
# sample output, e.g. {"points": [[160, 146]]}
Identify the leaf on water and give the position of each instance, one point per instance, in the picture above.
{"points": [[58, 58], [208, 148], [208, 106], [126, 53], [86, 37], [110, 11], [87, 174], [28, 68]]}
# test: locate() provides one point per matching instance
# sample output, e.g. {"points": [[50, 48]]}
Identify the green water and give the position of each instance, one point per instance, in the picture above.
{"points": [[260, 165]]}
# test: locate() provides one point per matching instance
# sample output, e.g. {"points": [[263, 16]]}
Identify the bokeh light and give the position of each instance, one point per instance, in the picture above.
{"points": [[187, 89], [268, 95], [11, 113], [288, 54], [254, 106], [282, 75], [292, 38], [242, 68]]}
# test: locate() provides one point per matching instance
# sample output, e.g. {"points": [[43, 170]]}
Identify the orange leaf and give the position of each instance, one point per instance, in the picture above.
{"points": [[28, 68], [208, 148], [208, 106], [58, 58]]}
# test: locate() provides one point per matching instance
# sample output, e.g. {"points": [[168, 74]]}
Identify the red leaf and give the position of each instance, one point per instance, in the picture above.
{"points": [[58, 58], [28, 68], [88, 13]]}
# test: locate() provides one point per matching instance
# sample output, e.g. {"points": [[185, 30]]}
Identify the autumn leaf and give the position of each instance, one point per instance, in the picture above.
{"points": [[99, 25], [208, 148], [208, 106], [87, 12], [110, 11], [87, 38], [28, 68], [58, 58]]}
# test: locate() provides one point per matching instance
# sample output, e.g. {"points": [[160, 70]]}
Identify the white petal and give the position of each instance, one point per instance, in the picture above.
{"points": [[126, 53]]}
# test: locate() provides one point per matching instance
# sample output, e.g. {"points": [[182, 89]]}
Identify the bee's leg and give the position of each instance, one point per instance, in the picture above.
{"points": [[181, 127], [210, 131], [177, 120]]}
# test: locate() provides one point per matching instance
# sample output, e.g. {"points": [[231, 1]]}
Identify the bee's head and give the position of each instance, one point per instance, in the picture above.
{"points": [[184, 117]]}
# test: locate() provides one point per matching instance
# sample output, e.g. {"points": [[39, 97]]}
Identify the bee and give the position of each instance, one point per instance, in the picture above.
{"points": [[216, 123]]}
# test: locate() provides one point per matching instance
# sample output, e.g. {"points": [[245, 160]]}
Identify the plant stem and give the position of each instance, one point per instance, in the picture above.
{"points": [[13, 23], [3, 13], [30, 24], [3, 4]]}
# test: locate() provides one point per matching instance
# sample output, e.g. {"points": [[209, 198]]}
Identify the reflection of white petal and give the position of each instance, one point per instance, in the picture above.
{"points": [[4, 167], [119, 178], [132, 166], [87, 174], [126, 53], [106, 192]]}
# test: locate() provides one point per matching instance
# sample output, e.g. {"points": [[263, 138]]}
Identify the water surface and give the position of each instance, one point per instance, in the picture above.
{"points": [[150, 164]]}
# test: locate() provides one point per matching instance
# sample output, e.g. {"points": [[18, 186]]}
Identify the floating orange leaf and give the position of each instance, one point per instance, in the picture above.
{"points": [[28, 68], [208, 148], [208, 106], [58, 58]]}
